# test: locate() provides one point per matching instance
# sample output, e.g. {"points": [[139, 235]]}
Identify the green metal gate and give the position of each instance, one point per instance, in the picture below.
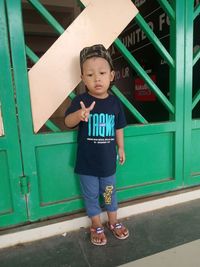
{"points": [[12, 197], [159, 157]]}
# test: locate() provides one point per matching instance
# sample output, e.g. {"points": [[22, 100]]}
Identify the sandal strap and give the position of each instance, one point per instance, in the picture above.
{"points": [[98, 230], [116, 226]]}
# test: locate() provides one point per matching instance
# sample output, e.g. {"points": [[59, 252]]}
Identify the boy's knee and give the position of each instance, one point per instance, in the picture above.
{"points": [[90, 194]]}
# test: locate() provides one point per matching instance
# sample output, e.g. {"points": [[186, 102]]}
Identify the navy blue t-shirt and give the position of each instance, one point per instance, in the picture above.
{"points": [[96, 153]]}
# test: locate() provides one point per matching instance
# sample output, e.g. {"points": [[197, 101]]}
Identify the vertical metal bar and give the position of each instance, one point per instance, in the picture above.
{"points": [[23, 97], [9, 144], [19, 64], [189, 8], [177, 84]]}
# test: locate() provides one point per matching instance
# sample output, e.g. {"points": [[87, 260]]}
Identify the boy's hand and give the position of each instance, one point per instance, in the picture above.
{"points": [[122, 157], [85, 112]]}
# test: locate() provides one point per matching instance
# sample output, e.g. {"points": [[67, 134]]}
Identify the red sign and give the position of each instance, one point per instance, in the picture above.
{"points": [[142, 92]]}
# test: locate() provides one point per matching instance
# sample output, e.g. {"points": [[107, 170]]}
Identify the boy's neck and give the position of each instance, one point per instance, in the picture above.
{"points": [[99, 96]]}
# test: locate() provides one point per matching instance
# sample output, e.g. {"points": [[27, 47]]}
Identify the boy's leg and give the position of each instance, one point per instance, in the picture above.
{"points": [[90, 191], [112, 217], [108, 190], [97, 231], [118, 229]]}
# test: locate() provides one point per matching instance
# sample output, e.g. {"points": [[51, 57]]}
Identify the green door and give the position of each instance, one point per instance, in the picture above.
{"points": [[12, 198], [192, 94], [154, 149], [48, 157]]}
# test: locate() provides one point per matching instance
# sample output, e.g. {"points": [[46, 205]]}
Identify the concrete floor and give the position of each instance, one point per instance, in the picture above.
{"points": [[164, 235], [186, 255]]}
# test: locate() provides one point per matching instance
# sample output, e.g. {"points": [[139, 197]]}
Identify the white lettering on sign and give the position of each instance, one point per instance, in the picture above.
{"points": [[122, 74], [135, 37], [125, 72], [117, 75], [163, 20], [57, 72]]}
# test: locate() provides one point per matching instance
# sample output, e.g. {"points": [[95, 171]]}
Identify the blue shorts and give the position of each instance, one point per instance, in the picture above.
{"points": [[92, 187]]}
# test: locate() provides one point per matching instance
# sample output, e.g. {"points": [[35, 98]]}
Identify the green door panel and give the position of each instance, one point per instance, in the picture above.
{"points": [[149, 159], [55, 171], [5, 196], [195, 154]]}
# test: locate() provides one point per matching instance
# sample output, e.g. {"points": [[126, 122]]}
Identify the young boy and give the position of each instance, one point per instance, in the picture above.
{"points": [[101, 120]]}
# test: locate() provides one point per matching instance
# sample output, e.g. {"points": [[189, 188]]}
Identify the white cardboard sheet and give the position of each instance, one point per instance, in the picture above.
{"points": [[57, 72]]}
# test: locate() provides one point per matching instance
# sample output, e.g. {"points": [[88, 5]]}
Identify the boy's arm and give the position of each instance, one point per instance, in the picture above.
{"points": [[73, 119], [120, 144]]}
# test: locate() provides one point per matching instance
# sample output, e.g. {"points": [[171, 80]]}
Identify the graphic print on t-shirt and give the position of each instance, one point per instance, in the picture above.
{"points": [[101, 128]]}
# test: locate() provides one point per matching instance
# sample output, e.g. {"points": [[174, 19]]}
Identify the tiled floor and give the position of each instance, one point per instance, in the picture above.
{"points": [[169, 230]]}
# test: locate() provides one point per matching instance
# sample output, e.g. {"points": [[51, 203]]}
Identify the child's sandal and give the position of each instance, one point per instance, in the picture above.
{"points": [[97, 232], [114, 227]]}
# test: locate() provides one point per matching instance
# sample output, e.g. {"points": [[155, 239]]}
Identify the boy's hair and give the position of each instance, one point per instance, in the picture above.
{"points": [[97, 50]]}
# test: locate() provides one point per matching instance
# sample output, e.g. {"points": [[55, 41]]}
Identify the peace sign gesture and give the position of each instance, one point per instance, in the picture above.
{"points": [[85, 112]]}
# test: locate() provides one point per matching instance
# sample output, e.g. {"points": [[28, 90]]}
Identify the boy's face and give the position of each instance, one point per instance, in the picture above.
{"points": [[97, 76]]}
